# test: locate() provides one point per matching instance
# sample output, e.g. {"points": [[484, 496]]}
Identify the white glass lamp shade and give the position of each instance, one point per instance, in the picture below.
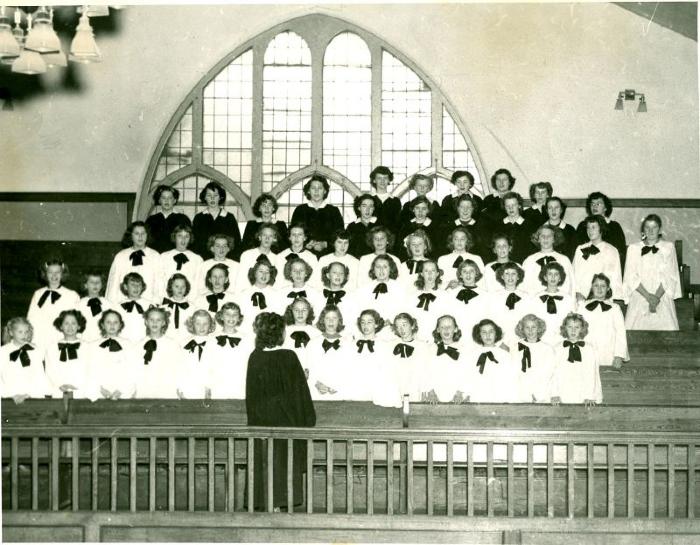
{"points": [[84, 48], [101, 10], [42, 37], [8, 45], [29, 62]]}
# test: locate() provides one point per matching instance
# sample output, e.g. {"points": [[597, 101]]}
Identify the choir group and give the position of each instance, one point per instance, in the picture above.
{"points": [[467, 300]]}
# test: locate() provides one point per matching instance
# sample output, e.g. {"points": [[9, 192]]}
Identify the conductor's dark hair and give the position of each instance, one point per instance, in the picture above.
{"points": [[269, 330], [360, 199], [132, 277], [262, 261], [126, 239], [457, 174], [380, 229], [457, 334], [393, 269], [606, 201], [214, 186], [162, 188], [552, 266], [375, 316], [82, 322], [476, 331], [262, 199], [541, 185], [511, 179], [604, 278], [561, 203], [386, 171], [289, 311], [317, 178], [182, 228], [221, 266], [188, 286]]}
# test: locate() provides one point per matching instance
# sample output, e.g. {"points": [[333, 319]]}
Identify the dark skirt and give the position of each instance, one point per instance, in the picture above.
{"points": [[279, 473]]}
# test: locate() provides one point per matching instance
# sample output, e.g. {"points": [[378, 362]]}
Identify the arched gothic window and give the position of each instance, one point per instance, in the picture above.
{"points": [[315, 94]]}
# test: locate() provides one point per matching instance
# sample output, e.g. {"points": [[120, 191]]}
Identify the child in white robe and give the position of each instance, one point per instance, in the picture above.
{"points": [[341, 245], [418, 247], [452, 357], [547, 238], [220, 246], [502, 248], [460, 243], [93, 304], [536, 360], [301, 334], [468, 299], [426, 302], [551, 304], [66, 360], [201, 327], [297, 274], [335, 292], [652, 280], [178, 260], [411, 358], [260, 295], [297, 248], [381, 240], [596, 256], [21, 371], [160, 358], [380, 290], [227, 358], [178, 305], [136, 258], [48, 302], [133, 308], [267, 237]]}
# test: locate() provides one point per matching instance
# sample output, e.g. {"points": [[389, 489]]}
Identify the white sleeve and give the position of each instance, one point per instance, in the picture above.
{"points": [[113, 280], [632, 277], [620, 334], [671, 276]]}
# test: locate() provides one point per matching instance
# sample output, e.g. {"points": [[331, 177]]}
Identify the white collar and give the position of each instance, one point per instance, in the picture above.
{"points": [[222, 213], [427, 222], [382, 197], [166, 215], [323, 203], [373, 219], [458, 221], [562, 224], [519, 221], [535, 207]]}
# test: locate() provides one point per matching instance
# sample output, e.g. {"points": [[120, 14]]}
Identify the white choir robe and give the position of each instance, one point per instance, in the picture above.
{"points": [[537, 380], [489, 281], [451, 375], [121, 266], [226, 366], [380, 383], [567, 304], [168, 267], [42, 318], [532, 269], [386, 304], [651, 270], [113, 370], [466, 310], [607, 261], [249, 310], [346, 305], [606, 330], [199, 287], [447, 264], [281, 260], [412, 372], [336, 369], [16, 379], [578, 381], [500, 382], [301, 349], [365, 264], [248, 259], [202, 303], [177, 330], [194, 367], [506, 318], [408, 278], [134, 324], [71, 371], [282, 299], [350, 261], [427, 318], [92, 328], [161, 376]]}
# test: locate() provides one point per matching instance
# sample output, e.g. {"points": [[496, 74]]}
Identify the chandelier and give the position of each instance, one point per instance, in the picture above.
{"points": [[32, 46]]}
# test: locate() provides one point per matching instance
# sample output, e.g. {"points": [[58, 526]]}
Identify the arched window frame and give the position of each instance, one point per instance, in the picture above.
{"points": [[317, 30]]}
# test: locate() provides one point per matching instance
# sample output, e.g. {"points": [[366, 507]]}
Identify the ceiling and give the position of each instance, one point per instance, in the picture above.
{"points": [[680, 17]]}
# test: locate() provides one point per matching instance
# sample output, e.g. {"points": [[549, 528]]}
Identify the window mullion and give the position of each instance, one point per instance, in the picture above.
{"points": [[316, 105], [376, 105], [257, 132], [436, 130], [197, 128]]}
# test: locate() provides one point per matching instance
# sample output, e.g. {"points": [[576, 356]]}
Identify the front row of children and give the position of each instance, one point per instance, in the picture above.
{"points": [[213, 362]]}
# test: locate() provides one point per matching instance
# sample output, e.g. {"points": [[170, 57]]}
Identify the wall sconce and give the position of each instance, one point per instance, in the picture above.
{"points": [[630, 94]]}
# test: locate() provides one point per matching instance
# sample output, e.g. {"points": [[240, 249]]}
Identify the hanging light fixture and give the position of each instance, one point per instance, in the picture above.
{"points": [[8, 44], [642, 104], [84, 49], [43, 38], [29, 62], [631, 94], [101, 10], [18, 35]]}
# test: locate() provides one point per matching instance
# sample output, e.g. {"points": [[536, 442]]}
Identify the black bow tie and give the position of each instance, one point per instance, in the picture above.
{"points": [[466, 294], [527, 357], [451, 351], [95, 305], [551, 301], [176, 306], [295, 294], [603, 306], [404, 350], [291, 255], [333, 297], [574, 350], [113, 345], [414, 267], [589, 251], [495, 266], [481, 362], [379, 288], [180, 259], [545, 260], [213, 300], [55, 296], [364, 342], [149, 347], [194, 344], [301, 338], [21, 353], [69, 351], [327, 345], [457, 262], [647, 249], [136, 258], [258, 300], [221, 340], [512, 300], [424, 300], [129, 306]]}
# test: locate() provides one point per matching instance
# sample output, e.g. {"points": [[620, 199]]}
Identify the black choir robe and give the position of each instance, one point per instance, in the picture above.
{"points": [[320, 223], [160, 228], [204, 226], [251, 229]]}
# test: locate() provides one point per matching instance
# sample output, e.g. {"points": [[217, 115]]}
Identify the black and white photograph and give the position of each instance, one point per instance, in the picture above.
{"points": [[350, 272]]}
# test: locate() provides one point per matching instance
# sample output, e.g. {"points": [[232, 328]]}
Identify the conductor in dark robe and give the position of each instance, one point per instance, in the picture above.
{"points": [[277, 395]]}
